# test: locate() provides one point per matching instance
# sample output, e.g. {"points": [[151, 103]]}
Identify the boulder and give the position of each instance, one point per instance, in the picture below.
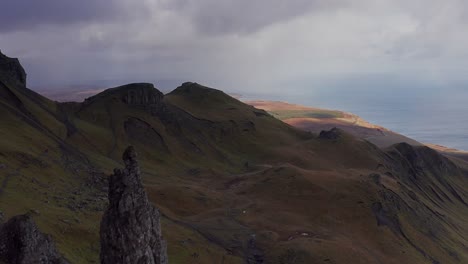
{"points": [[21, 242], [333, 134]]}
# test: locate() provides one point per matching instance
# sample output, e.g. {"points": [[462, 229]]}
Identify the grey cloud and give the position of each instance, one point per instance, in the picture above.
{"points": [[236, 44], [215, 17], [28, 14]]}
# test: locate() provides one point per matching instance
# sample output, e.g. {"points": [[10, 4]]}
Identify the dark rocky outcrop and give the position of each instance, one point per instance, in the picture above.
{"points": [[427, 170], [143, 94], [21, 242], [333, 134], [12, 71], [423, 158], [137, 94], [130, 228]]}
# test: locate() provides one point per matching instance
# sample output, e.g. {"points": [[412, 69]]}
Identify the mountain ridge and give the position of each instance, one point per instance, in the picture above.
{"points": [[232, 182]]}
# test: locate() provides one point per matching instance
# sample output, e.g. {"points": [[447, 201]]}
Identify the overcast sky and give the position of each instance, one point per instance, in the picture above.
{"points": [[238, 45]]}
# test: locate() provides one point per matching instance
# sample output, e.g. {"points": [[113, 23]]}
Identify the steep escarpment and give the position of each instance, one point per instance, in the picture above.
{"points": [[11, 71], [138, 114], [130, 228], [420, 201], [426, 170], [131, 94]]}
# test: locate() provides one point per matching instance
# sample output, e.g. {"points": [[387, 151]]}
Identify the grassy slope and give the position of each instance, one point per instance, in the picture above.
{"points": [[221, 172], [37, 178]]}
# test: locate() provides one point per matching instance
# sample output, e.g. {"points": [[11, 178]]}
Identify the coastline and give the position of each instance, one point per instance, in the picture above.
{"points": [[350, 122], [309, 118]]}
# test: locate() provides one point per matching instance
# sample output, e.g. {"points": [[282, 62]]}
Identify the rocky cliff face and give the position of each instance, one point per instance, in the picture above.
{"points": [[135, 94], [130, 228], [142, 94], [21, 242], [11, 70]]}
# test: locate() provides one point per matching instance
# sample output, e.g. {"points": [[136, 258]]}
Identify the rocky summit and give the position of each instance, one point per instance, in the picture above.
{"points": [[21, 242], [130, 228], [12, 71]]}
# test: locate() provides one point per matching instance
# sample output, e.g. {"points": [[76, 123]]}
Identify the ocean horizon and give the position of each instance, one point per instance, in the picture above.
{"points": [[437, 116]]}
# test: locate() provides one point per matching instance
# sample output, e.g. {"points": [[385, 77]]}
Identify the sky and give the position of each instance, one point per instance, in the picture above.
{"points": [[260, 46]]}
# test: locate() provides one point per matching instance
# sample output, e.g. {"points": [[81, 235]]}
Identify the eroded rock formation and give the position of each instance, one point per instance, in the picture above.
{"points": [[21, 242], [333, 134], [142, 94], [11, 70], [130, 228]]}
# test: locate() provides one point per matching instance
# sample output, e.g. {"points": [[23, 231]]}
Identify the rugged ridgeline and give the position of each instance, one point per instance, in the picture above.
{"points": [[235, 184], [130, 228], [21, 242]]}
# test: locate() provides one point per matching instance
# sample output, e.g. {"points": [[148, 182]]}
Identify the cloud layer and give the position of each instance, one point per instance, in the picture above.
{"points": [[27, 15], [239, 45]]}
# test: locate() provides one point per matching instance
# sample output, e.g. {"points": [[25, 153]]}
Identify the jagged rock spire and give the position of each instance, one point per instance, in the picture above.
{"points": [[130, 228], [21, 242]]}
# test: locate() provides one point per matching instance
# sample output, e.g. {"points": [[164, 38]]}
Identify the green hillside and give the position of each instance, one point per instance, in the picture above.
{"points": [[232, 181]]}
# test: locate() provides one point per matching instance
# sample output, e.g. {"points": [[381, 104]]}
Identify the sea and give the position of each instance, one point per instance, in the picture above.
{"points": [[437, 115], [428, 113]]}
